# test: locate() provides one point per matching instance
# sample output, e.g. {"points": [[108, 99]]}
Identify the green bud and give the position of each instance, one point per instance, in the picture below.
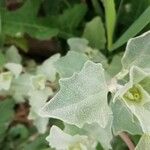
{"points": [[133, 94]]}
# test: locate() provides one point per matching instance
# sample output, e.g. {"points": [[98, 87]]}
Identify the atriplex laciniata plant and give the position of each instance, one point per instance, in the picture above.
{"points": [[96, 100]]}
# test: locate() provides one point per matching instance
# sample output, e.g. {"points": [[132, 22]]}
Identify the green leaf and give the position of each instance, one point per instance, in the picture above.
{"points": [[145, 84], [72, 62], [137, 52], [94, 32], [129, 11], [144, 142], [134, 29], [115, 66], [110, 17], [71, 17], [2, 59], [61, 140], [12, 55], [19, 130], [82, 98], [24, 20], [20, 42], [6, 109], [120, 124], [39, 143]]}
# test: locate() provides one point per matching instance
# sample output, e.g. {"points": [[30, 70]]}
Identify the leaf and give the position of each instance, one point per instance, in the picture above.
{"points": [[2, 59], [102, 135], [115, 66], [77, 44], [37, 100], [5, 80], [145, 84], [15, 69], [134, 29], [130, 11], [19, 130], [55, 7], [72, 62], [94, 32], [39, 122], [120, 124], [110, 17], [82, 98], [94, 132], [21, 43], [12, 55], [71, 17], [39, 143], [48, 69], [24, 20], [81, 45], [60, 140], [137, 52], [20, 87], [144, 142], [6, 109], [136, 98]]}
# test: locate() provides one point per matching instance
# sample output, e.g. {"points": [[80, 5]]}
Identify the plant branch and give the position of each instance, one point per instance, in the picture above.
{"points": [[124, 136]]}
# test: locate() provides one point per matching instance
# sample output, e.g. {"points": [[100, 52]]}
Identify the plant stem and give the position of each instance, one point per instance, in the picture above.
{"points": [[124, 136]]}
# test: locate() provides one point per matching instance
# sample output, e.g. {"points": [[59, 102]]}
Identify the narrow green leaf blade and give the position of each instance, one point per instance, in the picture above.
{"points": [[110, 16], [134, 29]]}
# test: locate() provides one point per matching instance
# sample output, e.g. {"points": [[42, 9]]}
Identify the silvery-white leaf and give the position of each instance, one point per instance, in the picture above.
{"points": [[20, 87], [77, 44], [137, 52], [72, 62], [48, 69], [40, 122], [135, 97], [16, 69], [37, 99], [62, 141], [82, 98], [123, 119]]}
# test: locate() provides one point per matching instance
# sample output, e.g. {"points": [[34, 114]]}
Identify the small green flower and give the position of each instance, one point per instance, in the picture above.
{"points": [[133, 94]]}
